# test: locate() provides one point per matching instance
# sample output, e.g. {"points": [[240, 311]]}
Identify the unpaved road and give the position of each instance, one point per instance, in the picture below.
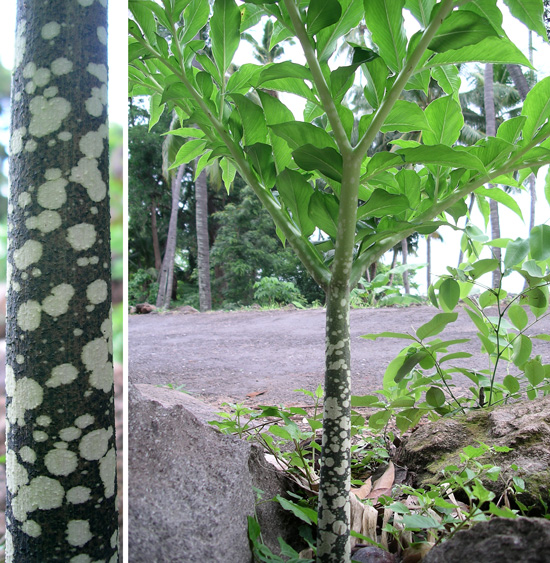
{"points": [[225, 356]]}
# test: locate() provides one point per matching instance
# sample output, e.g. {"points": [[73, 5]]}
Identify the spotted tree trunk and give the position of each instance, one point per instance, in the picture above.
{"points": [[203, 246], [61, 459]]}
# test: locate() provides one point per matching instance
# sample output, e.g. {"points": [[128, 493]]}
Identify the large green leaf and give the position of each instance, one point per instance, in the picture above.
{"points": [[295, 191], [449, 294], [327, 160], [405, 116], [421, 10], [261, 156], [283, 70], [241, 82], [195, 17], [323, 211], [295, 86], [276, 112], [518, 316], [536, 108], [225, 25], [252, 117], [341, 79], [530, 12], [376, 73], [156, 107], [145, 18], [297, 133], [501, 196], [445, 120], [351, 14], [188, 152], [460, 29], [539, 242], [436, 325], [382, 203], [448, 78], [321, 14], [522, 349], [516, 251], [442, 155], [385, 22], [488, 9], [490, 50]]}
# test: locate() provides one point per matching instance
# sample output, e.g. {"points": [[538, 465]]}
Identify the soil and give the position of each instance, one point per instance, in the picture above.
{"points": [[261, 357]]}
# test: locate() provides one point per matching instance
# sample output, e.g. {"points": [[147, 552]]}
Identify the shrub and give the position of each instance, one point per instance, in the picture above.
{"points": [[271, 291]]}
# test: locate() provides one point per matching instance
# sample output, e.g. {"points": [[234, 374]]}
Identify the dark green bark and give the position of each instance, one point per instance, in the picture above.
{"points": [[61, 458]]}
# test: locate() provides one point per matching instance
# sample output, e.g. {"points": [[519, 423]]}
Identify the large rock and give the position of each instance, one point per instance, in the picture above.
{"points": [[524, 427], [191, 488], [501, 540]]}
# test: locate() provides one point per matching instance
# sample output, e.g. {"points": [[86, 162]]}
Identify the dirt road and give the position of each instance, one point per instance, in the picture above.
{"points": [[225, 356]]}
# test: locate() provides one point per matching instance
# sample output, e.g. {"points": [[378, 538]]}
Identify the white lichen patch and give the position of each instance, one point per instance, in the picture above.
{"points": [[41, 493], [70, 433], [30, 87], [46, 222], [31, 528], [16, 474], [53, 173], [78, 332], [87, 174], [78, 532], [96, 292], [107, 471], [84, 421], [28, 455], [102, 35], [61, 445], [94, 445], [81, 236], [57, 303], [65, 136], [47, 115], [91, 143], [43, 420], [98, 70], [42, 76], [85, 3], [62, 375], [10, 381], [16, 140], [31, 145], [50, 30], [61, 66], [29, 70], [51, 92], [61, 462], [20, 43], [24, 199], [28, 315], [39, 436], [28, 254], [94, 104], [52, 194], [79, 495], [82, 558], [20, 359], [95, 358]]}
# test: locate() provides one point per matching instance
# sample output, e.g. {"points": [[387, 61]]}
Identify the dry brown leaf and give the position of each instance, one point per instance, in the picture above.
{"points": [[356, 516], [277, 462], [387, 479], [370, 518], [306, 554], [364, 489], [384, 537], [415, 553], [253, 394]]}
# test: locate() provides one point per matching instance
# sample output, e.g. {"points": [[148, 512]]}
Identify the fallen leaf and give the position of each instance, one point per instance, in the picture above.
{"points": [[364, 489], [387, 479], [370, 518], [255, 393]]}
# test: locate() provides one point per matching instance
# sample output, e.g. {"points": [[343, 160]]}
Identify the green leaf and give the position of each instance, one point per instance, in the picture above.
{"points": [[477, 319], [534, 372], [511, 129], [376, 73], [376, 335], [382, 203], [419, 522], [436, 325], [188, 152], [532, 268], [364, 400], [405, 116], [385, 22], [502, 197], [296, 192], [448, 79], [480, 267], [321, 14], [449, 294], [442, 155], [435, 397], [297, 134], [186, 132], [195, 18], [459, 29], [323, 210], [518, 316], [284, 70], [511, 383], [522, 349], [409, 362], [530, 12], [547, 186], [254, 530], [327, 160], [539, 242], [490, 50], [536, 108], [228, 173], [516, 251], [421, 10], [156, 108], [446, 121], [327, 39], [146, 20], [225, 25], [262, 161], [241, 82], [276, 112], [379, 419], [304, 513], [252, 117]]}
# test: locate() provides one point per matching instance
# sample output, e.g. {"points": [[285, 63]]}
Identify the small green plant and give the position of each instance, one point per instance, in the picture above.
{"points": [[272, 291], [180, 388], [143, 287]]}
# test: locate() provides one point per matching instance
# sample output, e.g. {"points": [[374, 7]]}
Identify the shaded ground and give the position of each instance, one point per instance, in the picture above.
{"points": [[226, 356]]}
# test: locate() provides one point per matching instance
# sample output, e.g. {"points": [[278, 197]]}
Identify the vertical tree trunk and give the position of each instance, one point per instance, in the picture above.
{"points": [[490, 129], [203, 246], [429, 260], [405, 254], [533, 194], [167, 268], [61, 459], [155, 235], [393, 263]]}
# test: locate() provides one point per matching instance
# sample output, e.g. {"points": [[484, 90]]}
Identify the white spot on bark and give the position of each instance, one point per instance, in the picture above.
{"points": [[29, 70], [47, 115], [28, 455], [78, 332], [41, 493], [94, 104], [28, 254], [52, 194], [42, 77], [31, 145], [78, 532], [82, 558], [97, 292], [20, 43], [43, 420], [31, 528], [98, 70], [84, 421], [30, 87], [81, 236], [85, 3], [107, 471], [39, 436], [95, 358], [16, 141], [62, 375], [87, 174], [50, 30], [16, 474], [102, 35], [57, 303], [61, 66], [24, 199], [46, 222], [78, 495], [51, 92], [94, 445], [65, 136], [69, 434], [61, 462], [28, 316], [91, 143]]}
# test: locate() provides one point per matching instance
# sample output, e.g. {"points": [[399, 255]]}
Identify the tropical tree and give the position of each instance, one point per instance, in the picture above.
{"points": [[60, 460], [281, 158]]}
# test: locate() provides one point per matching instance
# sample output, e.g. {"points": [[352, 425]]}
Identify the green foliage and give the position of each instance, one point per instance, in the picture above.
{"points": [[271, 291], [143, 287]]}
